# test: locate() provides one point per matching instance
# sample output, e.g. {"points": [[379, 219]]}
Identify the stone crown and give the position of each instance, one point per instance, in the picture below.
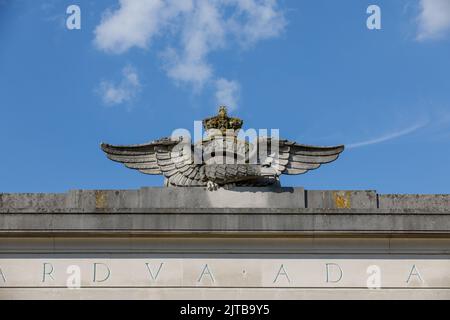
{"points": [[222, 122]]}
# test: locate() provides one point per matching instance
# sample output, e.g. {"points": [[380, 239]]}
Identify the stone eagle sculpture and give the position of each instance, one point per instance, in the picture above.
{"points": [[221, 159]]}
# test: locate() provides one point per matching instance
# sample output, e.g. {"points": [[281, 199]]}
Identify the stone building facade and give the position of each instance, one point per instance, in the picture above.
{"points": [[245, 243]]}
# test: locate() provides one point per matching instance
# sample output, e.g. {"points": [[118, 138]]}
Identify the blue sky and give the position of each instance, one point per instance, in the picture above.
{"points": [[311, 68]]}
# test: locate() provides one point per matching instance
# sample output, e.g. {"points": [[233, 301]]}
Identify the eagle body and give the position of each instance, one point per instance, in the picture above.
{"points": [[222, 166], [222, 159]]}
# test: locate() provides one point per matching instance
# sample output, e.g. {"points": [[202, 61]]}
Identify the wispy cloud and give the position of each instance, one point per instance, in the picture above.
{"points": [[389, 136], [124, 91], [193, 30], [228, 93], [434, 19]]}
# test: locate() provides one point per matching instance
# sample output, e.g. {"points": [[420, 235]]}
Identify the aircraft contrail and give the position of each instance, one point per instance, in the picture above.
{"points": [[388, 136]]}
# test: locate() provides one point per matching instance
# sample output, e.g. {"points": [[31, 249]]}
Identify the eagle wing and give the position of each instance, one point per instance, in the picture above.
{"points": [[166, 156], [292, 158]]}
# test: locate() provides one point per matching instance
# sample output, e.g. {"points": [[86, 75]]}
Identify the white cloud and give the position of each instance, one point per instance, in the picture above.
{"points": [[134, 24], [263, 20], [122, 92], [193, 29], [202, 32], [227, 93], [388, 136], [434, 19]]}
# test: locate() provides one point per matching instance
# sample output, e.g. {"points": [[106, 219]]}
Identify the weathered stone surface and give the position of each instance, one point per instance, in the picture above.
{"points": [[341, 199], [222, 294], [437, 202], [291, 199], [256, 242], [237, 221], [263, 210]]}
